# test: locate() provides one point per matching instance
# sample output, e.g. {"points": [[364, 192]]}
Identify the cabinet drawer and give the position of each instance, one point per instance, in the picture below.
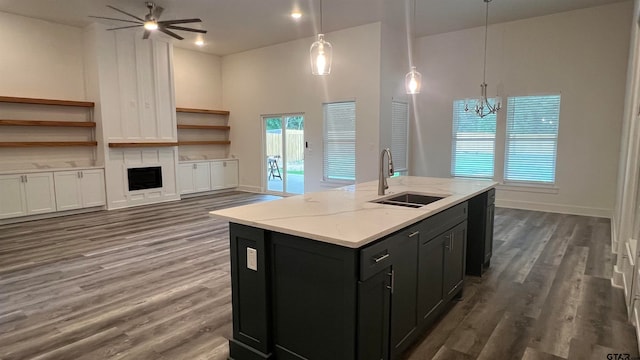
{"points": [[376, 257], [443, 220]]}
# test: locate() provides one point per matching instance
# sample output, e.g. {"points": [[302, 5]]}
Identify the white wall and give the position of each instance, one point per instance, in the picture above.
{"points": [[40, 59], [198, 79], [277, 79], [581, 54], [394, 65]]}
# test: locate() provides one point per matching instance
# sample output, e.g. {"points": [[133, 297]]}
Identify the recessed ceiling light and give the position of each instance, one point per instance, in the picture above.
{"points": [[296, 15]]}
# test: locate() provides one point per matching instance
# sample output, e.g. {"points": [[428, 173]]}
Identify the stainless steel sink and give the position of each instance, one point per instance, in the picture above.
{"points": [[409, 200]]}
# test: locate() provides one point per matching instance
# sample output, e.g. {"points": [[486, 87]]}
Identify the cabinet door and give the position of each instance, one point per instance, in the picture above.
{"points": [[404, 283], [454, 258], [488, 236], [374, 296], [185, 174], [12, 198], [92, 187], [67, 189], [430, 273], [202, 176], [217, 175], [230, 173], [40, 193]]}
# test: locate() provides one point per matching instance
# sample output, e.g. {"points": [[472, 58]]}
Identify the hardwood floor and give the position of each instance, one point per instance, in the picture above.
{"points": [[153, 283]]}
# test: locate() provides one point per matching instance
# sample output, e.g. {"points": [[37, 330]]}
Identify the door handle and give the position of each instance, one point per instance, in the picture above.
{"points": [[393, 278], [378, 259], [195, 166]]}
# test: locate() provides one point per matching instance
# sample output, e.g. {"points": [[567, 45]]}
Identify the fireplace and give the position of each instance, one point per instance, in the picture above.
{"points": [[145, 178]]}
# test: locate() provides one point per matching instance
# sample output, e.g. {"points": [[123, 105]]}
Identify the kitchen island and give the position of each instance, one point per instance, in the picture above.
{"points": [[337, 275]]}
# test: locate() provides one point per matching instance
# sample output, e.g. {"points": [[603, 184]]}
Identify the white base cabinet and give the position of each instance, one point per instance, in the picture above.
{"points": [[208, 175], [46, 192], [79, 189], [194, 177], [26, 194]]}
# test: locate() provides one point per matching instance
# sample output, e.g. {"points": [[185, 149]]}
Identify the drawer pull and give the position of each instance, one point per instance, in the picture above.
{"points": [[378, 259], [414, 234]]}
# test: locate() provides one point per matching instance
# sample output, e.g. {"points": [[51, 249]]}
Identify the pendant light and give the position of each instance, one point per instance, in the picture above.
{"points": [[321, 53], [483, 107], [413, 79]]}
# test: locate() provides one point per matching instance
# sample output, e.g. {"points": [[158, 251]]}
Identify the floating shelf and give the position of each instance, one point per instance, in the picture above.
{"points": [[142, 144], [211, 127], [21, 100], [224, 142], [48, 143], [202, 111], [47, 123]]}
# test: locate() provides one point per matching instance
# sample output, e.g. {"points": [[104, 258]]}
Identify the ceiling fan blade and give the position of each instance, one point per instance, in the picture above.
{"points": [[170, 33], [108, 18], [124, 27], [185, 29], [157, 11], [146, 34], [124, 12], [181, 21]]}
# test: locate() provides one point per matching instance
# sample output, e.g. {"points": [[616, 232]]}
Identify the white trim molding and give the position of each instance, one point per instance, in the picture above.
{"points": [[555, 208]]}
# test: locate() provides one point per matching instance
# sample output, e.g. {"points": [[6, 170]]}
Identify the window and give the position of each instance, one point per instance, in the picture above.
{"points": [[474, 142], [532, 138], [340, 141], [399, 134]]}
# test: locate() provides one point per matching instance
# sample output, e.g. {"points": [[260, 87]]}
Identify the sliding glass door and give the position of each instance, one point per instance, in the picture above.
{"points": [[284, 152]]}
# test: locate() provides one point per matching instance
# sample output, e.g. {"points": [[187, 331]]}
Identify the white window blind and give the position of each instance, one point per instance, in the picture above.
{"points": [[340, 141], [474, 143], [399, 134], [532, 138]]}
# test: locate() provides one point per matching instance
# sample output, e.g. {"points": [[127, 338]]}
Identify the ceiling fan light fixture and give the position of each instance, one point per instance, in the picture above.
{"points": [[199, 42], [151, 25], [296, 15]]}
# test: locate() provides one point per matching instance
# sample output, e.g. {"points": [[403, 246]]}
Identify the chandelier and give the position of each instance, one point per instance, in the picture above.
{"points": [[482, 106]]}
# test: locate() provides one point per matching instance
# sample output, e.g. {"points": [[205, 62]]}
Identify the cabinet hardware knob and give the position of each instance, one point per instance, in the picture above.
{"points": [[378, 259], [414, 233], [393, 280]]}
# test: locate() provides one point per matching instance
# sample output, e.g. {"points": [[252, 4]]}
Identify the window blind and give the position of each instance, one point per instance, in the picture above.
{"points": [[474, 142], [340, 141], [532, 138], [399, 134]]}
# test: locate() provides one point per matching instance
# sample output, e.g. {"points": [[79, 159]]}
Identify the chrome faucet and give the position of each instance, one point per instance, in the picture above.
{"points": [[382, 180]]}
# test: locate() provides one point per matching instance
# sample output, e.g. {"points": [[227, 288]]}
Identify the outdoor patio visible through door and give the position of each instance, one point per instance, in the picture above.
{"points": [[284, 151]]}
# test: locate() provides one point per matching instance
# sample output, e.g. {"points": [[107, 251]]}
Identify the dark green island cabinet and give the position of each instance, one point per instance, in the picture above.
{"points": [[298, 298]]}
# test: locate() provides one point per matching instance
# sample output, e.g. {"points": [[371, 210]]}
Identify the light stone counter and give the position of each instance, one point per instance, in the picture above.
{"points": [[346, 217]]}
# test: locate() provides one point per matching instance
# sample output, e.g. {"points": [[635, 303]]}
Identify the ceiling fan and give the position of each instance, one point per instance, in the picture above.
{"points": [[151, 22]]}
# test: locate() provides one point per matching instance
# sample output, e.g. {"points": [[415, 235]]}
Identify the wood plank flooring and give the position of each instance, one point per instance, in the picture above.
{"points": [[153, 282]]}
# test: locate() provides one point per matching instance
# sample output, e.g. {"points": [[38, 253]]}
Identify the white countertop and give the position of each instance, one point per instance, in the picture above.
{"points": [[346, 217]]}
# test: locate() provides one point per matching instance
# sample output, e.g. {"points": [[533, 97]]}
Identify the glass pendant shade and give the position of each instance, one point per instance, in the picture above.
{"points": [[321, 54], [413, 81]]}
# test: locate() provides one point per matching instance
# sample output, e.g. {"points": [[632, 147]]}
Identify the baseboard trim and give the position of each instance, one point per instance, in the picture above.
{"points": [[50, 215], [616, 279], [123, 205], [252, 189], [555, 208]]}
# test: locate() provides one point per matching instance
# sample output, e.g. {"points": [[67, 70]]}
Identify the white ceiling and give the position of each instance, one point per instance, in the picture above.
{"points": [[239, 25]]}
